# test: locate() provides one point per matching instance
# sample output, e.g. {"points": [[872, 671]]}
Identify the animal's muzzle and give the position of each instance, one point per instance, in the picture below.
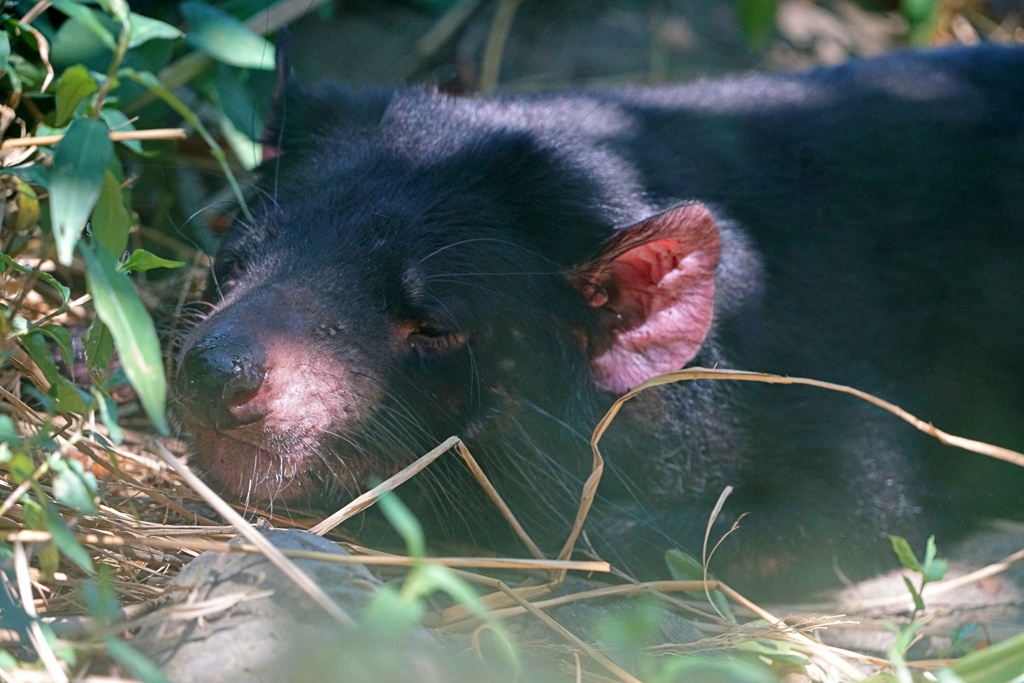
{"points": [[219, 380]]}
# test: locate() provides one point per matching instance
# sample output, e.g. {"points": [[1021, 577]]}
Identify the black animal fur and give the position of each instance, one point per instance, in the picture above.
{"points": [[422, 266]]}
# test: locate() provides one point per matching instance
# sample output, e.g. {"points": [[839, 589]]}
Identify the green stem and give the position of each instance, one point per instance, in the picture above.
{"points": [[115, 64]]}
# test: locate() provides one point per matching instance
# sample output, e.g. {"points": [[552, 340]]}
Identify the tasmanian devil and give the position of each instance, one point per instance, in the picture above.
{"points": [[500, 269]]}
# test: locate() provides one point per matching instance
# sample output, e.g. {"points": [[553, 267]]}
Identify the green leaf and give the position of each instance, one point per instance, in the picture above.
{"points": [[7, 262], [142, 260], [74, 86], [633, 627], [20, 466], [14, 74], [145, 29], [428, 578], [64, 539], [119, 121], [72, 485], [722, 669], [775, 650], [27, 215], [685, 567], [101, 598], [119, 307], [36, 519], [404, 522], [138, 666], [79, 162], [116, 8], [62, 337], [108, 415], [224, 38], [757, 19], [904, 553], [8, 432], [929, 551], [99, 350], [914, 593], [110, 219], [934, 568], [1000, 663], [392, 616], [87, 18], [242, 96], [919, 11], [78, 43], [13, 26], [33, 173], [69, 398], [5, 49], [65, 292]]}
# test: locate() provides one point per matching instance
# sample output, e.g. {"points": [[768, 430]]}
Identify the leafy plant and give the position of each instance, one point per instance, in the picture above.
{"points": [[393, 614], [84, 89], [931, 570]]}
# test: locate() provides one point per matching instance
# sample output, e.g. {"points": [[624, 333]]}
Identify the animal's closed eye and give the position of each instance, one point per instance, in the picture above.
{"points": [[227, 272], [428, 338]]}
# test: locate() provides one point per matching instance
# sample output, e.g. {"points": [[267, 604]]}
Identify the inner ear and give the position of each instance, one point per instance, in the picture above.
{"points": [[655, 286]]}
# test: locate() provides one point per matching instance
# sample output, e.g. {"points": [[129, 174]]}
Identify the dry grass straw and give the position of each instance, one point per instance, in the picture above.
{"points": [[148, 528]]}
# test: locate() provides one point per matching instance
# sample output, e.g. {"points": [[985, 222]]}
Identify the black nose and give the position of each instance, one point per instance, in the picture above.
{"points": [[219, 380]]}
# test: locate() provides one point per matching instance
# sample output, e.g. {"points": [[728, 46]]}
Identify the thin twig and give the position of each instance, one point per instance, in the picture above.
{"points": [[196, 544], [116, 136], [568, 635], [272, 552], [689, 374], [370, 497]]}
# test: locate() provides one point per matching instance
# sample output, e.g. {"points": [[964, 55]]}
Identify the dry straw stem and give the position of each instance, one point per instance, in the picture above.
{"points": [[457, 619], [453, 616], [997, 452], [444, 30], [689, 374], [92, 448], [568, 635], [812, 647], [276, 557], [370, 497], [36, 636], [279, 558], [116, 136], [197, 545]]}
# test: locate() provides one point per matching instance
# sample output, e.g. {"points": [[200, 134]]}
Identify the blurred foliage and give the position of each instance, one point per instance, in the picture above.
{"points": [[757, 19], [82, 84]]}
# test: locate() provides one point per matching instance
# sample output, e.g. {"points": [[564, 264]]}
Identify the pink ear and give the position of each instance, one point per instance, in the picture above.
{"points": [[656, 285]]}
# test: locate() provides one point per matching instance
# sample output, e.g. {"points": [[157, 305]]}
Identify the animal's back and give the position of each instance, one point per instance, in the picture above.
{"points": [[501, 268]]}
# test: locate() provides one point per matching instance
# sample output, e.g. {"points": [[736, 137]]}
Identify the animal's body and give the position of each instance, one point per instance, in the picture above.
{"points": [[501, 269]]}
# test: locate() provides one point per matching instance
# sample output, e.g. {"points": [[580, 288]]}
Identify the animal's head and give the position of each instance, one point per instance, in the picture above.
{"points": [[419, 267]]}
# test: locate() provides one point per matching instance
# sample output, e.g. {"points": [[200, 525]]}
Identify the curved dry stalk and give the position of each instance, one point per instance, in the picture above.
{"points": [[690, 374]]}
